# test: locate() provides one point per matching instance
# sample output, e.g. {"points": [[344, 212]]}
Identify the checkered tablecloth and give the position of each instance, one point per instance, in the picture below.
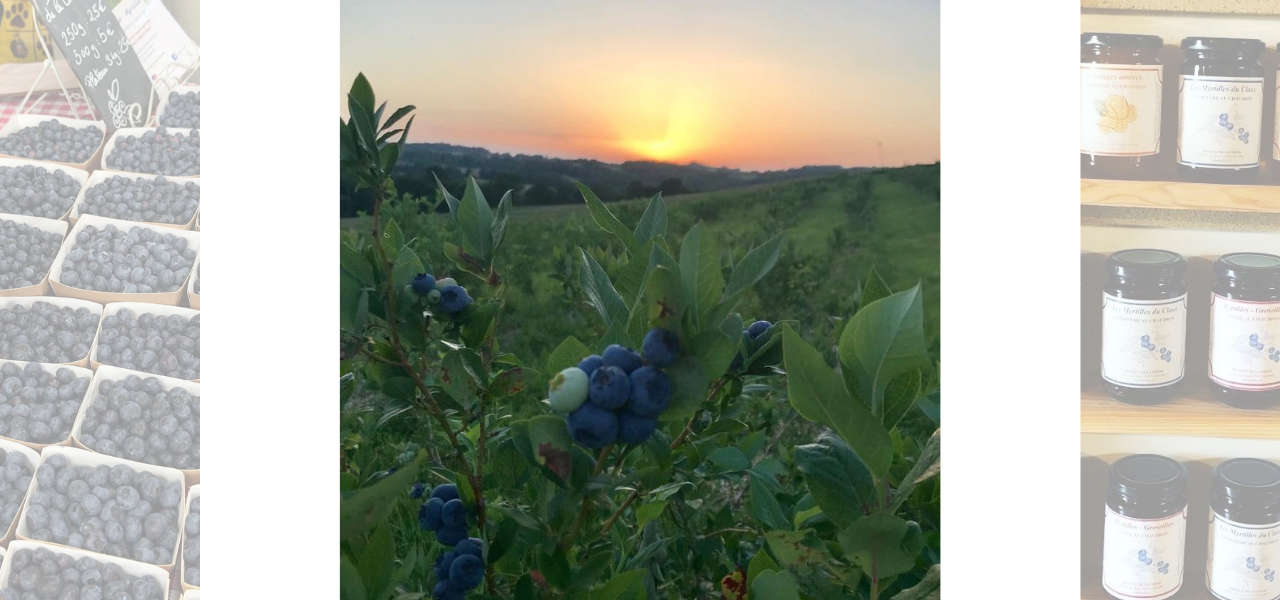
{"points": [[43, 103]]}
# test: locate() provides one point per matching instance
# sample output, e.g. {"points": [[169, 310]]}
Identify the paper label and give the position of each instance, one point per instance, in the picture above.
{"points": [[1143, 341], [1244, 344], [1219, 121], [1142, 559], [1120, 109], [1243, 560]]}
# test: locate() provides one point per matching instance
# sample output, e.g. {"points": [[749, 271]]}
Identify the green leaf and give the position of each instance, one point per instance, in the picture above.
{"points": [[665, 299], [524, 588], [700, 271], [764, 506], [900, 396], [653, 223], [457, 380], [666, 491], [930, 406], [839, 482], [392, 238], [396, 116], [631, 280], [817, 393], [362, 314], [882, 341], [551, 445], [568, 354], [508, 382], [555, 567], [805, 515], [729, 460], [377, 562], [605, 219], [465, 261], [388, 157], [929, 588], [601, 294], [475, 218], [362, 91], [356, 264], [400, 388], [882, 545], [793, 550], [448, 199], [407, 266], [759, 564], [714, 351], [623, 586], [775, 585], [648, 512], [688, 389], [927, 465], [754, 266], [503, 538], [366, 508], [875, 288], [500, 222], [360, 116], [352, 585], [478, 324]]}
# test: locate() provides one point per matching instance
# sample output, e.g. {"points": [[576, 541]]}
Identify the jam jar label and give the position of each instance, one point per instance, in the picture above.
{"points": [[1243, 560], [1244, 344], [1219, 121], [1142, 558], [1120, 109], [1143, 341]]}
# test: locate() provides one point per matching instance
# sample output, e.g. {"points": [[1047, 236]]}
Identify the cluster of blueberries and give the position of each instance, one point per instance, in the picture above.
{"points": [[191, 544], [139, 420], [47, 574], [26, 253], [461, 569], [156, 344], [183, 110], [1273, 353], [51, 140], [157, 200], [138, 261], [1252, 565], [446, 293], [617, 396], [37, 406], [15, 478], [45, 333], [1161, 566], [37, 192], [1165, 354], [1224, 122], [107, 509], [158, 152]]}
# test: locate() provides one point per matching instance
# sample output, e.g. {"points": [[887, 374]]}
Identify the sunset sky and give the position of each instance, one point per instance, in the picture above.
{"points": [[746, 84]]}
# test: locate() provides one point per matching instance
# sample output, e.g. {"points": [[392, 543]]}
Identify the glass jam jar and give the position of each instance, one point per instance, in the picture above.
{"points": [[1144, 325], [1275, 130], [1244, 530], [1120, 84], [1144, 537], [1244, 330], [1220, 91]]}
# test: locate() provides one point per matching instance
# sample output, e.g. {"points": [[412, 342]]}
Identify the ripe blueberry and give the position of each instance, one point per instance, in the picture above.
{"points": [[443, 562], [590, 364], [567, 390], [449, 536], [635, 429], [445, 492], [429, 514], [610, 388], [467, 571], [472, 546], [453, 515], [660, 347], [622, 357], [650, 391], [445, 591], [757, 328], [453, 299], [592, 426], [423, 284]]}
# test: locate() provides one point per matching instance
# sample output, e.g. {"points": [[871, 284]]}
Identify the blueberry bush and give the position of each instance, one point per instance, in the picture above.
{"points": [[673, 446]]}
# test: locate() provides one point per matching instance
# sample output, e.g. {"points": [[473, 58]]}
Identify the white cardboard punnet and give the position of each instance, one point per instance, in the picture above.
{"points": [[78, 457], [48, 225], [98, 177], [137, 308], [192, 494], [17, 123], [72, 303], [130, 567], [164, 100], [33, 458], [193, 299], [62, 289], [137, 131], [81, 176], [50, 369]]}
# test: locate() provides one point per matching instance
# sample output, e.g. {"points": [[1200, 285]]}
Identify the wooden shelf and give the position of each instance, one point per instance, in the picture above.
{"points": [[1239, 7], [1190, 416], [1180, 196]]}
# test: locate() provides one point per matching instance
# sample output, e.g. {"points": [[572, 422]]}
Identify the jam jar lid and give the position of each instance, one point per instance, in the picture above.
{"points": [[1217, 44], [1249, 480], [1148, 476], [1249, 267], [1122, 40], [1146, 263]]}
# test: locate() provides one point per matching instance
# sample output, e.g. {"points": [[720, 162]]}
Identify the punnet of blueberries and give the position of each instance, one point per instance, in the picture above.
{"points": [[166, 345], [52, 140], [445, 293], [157, 151], [26, 253], [46, 333], [196, 285], [36, 406], [49, 574], [462, 568], [14, 481], [140, 420], [157, 200], [191, 544], [183, 110], [140, 260], [617, 397], [107, 509], [37, 191]]}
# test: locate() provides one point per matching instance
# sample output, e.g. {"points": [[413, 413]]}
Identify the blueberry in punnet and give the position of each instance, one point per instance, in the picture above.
{"points": [[450, 536], [592, 426], [622, 357], [467, 571], [472, 546], [454, 298], [634, 429], [650, 391], [445, 282], [759, 327], [567, 390], [661, 347], [610, 388], [423, 284], [453, 515], [446, 492], [590, 364], [429, 515]]}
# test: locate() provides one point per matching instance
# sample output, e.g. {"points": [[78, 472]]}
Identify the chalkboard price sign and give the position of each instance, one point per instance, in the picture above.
{"points": [[95, 46]]}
